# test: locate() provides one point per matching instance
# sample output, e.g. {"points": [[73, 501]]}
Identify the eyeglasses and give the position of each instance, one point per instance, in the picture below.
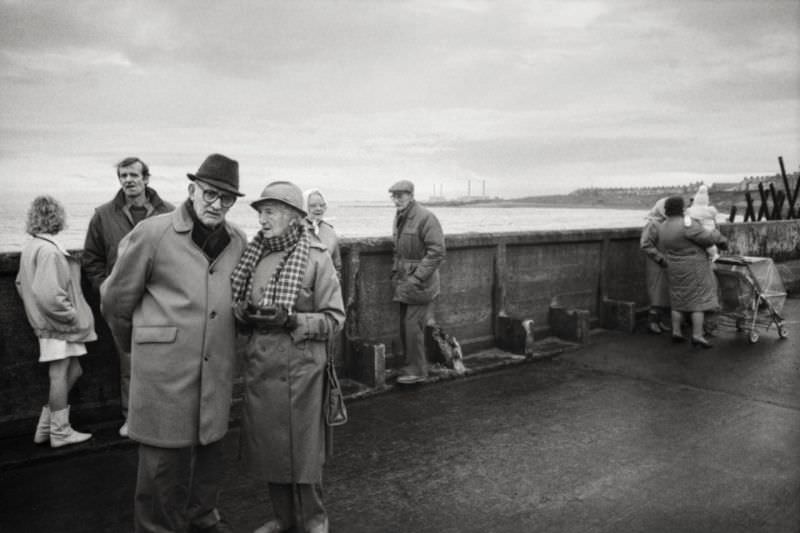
{"points": [[210, 196]]}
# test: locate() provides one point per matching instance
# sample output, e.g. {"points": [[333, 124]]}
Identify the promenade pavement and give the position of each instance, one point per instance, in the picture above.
{"points": [[630, 433]]}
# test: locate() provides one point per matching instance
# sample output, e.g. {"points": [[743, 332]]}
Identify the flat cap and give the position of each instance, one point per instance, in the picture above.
{"points": [[402, 186]]}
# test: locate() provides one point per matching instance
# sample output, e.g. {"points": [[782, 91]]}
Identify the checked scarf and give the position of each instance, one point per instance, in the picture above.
{"points": [[282, 289]]}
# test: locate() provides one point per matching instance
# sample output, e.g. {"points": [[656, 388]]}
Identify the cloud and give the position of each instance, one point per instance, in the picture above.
{"points": [[69, 63], [445, 89]]}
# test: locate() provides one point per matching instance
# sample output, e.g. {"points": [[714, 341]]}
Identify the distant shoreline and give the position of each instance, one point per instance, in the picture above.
{"points": [[530, 203], [723, 203]]}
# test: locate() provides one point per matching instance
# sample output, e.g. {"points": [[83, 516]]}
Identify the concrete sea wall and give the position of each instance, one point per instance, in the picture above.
{"points": [[492, 284]]}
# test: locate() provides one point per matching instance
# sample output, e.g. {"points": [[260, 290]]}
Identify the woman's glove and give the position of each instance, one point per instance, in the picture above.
{"points": [[240, 313]]}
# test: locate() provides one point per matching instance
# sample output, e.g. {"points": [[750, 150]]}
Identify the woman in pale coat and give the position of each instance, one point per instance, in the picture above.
{"points": [[655, 270], [49, 283], [287, 296], [321, 229], [692, 285]]}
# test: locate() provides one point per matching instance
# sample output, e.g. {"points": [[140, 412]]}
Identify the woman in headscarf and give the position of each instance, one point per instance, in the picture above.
{"points": [[287, 296], [655, 270], [322, 230], [692, 285]]}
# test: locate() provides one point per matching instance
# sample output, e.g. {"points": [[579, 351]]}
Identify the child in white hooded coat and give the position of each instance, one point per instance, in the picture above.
{"points": [[704, 213]]}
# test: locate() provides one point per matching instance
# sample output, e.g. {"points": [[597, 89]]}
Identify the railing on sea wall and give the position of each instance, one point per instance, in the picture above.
{"points": [[485, 276]]}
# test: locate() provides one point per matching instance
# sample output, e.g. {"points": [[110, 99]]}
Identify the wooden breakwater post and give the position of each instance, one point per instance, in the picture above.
{"points": [[789, 195]]}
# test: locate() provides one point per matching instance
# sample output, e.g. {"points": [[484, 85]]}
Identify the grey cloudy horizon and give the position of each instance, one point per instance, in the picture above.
{"points": [[529, 97]]}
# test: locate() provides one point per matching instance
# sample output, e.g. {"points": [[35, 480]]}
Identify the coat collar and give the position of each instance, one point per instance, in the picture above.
{"points": [[409, 212], [152, 198], [182, 220], [52, 240]]}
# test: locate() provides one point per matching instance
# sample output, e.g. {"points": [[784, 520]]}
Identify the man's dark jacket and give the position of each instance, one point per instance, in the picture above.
{"points": [[109, 224]]}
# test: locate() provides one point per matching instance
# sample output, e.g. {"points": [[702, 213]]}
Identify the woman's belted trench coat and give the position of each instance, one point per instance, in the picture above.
{"points": [[284, 428]]}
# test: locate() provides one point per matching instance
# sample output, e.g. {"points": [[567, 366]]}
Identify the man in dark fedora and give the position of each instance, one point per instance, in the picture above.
{"points": [[168, 300]]}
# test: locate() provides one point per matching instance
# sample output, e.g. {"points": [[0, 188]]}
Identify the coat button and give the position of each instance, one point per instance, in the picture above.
{"points": [[213, 314], [205, 359]]}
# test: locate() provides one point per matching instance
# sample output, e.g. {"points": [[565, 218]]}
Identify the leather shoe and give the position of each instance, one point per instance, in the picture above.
{"points": [[678, 338], [318, 526], [653, 327], [220, 527], [273, 526], [700, 341], [410, 379]]}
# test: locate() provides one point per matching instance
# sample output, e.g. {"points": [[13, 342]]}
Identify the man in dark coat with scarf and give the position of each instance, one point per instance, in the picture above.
{"points": [[134, 202], [418, 251]]}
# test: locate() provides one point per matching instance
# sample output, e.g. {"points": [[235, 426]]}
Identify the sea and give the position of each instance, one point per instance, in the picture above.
{"points": [[350, 219]]}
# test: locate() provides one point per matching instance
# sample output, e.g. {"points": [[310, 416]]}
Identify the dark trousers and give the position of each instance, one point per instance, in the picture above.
{"points": [[297, 504], [176, 487], [412, 332], [124, 381]]}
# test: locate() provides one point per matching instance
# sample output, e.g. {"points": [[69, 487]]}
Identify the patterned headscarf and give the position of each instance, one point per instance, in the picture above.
{"points": [[282, 289], [657, 214]]}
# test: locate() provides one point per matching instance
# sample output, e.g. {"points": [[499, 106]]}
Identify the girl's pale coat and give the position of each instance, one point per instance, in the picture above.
{"points": [[49, 283]]}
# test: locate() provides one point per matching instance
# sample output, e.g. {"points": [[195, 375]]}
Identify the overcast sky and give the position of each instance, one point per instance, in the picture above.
{"points": [[531, 96]]}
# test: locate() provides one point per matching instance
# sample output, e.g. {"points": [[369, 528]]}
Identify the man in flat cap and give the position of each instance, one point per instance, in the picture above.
{"points": [[134, 202], [418, 251], [168, 301]]}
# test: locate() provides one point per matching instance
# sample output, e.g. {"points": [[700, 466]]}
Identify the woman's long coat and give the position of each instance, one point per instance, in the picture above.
{"points": [[172, 307], [655, 272], [692, 284], [283, 423]]}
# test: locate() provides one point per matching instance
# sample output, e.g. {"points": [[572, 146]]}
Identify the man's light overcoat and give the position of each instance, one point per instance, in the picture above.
{"points": [[172, 308]]}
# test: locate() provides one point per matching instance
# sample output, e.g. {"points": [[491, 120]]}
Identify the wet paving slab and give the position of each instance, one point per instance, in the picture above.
{"points": [[629, 433]]}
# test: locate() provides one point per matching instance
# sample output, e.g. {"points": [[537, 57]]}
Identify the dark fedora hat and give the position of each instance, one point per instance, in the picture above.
{"points": [[219, 171]]}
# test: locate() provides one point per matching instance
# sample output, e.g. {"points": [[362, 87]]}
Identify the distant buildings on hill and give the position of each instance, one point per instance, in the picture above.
{"points": [[749, 183], [469, 198], [723, 194]]}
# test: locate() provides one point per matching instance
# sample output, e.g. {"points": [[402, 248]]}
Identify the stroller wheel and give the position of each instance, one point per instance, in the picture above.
{"points": [[753, 338], [782, 331]]}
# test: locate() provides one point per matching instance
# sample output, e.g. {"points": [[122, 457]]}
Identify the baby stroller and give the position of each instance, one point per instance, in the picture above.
{"points": [[751, 294]]}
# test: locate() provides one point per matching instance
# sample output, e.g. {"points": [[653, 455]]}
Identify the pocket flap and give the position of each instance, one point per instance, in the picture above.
{"points": [[145, 334]]}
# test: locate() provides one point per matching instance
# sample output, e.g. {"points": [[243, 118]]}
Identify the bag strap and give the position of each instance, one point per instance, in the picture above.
{"points": [[335, 410]]}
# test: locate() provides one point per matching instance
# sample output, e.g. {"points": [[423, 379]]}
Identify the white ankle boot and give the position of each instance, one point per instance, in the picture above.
{"points": [[43, 426], [61, 433]]}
